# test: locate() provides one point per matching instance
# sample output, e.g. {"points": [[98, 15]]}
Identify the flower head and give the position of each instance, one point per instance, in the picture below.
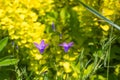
{"points": [[60, 36], [66, 46], [41, 47], [53, 26]]}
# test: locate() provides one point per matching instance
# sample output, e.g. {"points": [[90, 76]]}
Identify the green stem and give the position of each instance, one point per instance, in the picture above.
{"points": [[99, 15]]}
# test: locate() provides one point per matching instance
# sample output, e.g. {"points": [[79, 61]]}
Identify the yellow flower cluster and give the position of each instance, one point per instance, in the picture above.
{"points": [[109, 9], [20, 20], [117, 69]]}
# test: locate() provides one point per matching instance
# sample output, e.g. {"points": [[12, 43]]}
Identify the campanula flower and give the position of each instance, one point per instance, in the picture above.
{"points": [[60, 36], [53, 26], [13, 43], [41, 47], [66, 46]]}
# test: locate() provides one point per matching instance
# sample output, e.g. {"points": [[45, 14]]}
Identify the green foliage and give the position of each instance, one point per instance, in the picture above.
{"points": [[8, 62], [3, 43], [94, 55]]}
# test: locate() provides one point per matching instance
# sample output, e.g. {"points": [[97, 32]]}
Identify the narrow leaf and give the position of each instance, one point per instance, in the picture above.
{"points": [[8, 62], [6, 57], [63, 15], [99, 15], [3, 43]]}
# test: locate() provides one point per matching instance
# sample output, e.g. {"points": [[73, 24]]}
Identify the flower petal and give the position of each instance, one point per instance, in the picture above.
{"points": [[53, 26], [66, 46], [60, 44], [63, 44], [41, 50], [66, 49], [42, 42], [70, 44], [41, 47], [36, 44], [46, 45]]}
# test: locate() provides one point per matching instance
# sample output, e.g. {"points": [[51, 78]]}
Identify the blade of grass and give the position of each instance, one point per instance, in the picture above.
{"points": [[99, 15]]}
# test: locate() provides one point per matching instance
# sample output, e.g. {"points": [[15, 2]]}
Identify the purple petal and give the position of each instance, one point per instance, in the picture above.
{"points": [[42, 42], [53, 26], [60, 36], [70, 44], [36, 44], [41, 46], [60, 44], [66, 46], [41, 50], [63, 44], [46, 45], [66, 49]]}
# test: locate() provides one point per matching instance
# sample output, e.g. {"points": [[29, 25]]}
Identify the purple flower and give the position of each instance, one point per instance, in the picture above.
{"points": [[60, 36], [66, 46], [41, 47], [53, 26], [13, 43]]}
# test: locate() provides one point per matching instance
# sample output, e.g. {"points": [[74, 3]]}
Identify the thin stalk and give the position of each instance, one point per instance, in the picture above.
{"points": [[108, 63], [99, 15], [81, 65], [111, 34]]}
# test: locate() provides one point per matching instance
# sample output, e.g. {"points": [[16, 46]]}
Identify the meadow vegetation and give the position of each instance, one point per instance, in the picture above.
{"points": [[59, 39]]}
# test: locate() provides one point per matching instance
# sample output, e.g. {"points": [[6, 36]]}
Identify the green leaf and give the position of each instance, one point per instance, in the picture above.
{"points": [[6, 57], [3, 43], [99, 15], [8, 62], [64, 15]]}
